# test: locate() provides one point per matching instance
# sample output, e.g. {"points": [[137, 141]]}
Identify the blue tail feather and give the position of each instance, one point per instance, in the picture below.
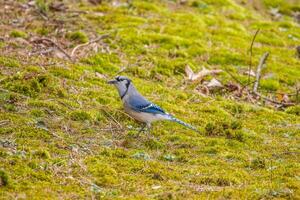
{"points": [[174, 119]]}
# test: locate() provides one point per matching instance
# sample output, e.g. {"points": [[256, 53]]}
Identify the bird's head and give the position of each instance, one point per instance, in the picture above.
{"points": [[122, 83]]}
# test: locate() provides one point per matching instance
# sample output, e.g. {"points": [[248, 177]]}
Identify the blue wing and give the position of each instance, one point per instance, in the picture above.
{"points": [[140, 104]]}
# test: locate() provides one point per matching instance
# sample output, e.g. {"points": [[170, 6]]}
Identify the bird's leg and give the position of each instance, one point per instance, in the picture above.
{"points": [[141, 130], [149, 129]]}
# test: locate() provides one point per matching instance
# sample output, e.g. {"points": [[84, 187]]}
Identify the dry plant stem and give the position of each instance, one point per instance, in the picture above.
{"points": [[256, 84], [57, 46], [258, 71], [4, 122], [273, 101], [232, 76], [251, 47], [110, 116], [88, 43]]}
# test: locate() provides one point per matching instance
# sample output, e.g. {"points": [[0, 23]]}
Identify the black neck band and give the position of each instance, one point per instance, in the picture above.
{"points": [[127, 86]]}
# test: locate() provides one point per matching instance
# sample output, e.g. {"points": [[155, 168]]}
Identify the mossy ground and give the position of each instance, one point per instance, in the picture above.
{"points": [[62, 127]]}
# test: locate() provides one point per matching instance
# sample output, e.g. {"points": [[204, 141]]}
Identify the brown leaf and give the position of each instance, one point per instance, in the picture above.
{"points": [[298, 51], [201, 74], [233, 87], [214, 83], [58, 6], [251, 73], [203, 90], [95, 2], [283, 98], [102, 76]]}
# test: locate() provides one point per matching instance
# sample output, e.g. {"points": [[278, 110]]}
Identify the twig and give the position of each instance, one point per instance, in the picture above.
{"points": [[42, 52], [251, 46], [56, 45], [88, 43], [297, 95], [273, 101], [258, 71], [121, 70], [4, 122], [232, 76], [110, 116]]}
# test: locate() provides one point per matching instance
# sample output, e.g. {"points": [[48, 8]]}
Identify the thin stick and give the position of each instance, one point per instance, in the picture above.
{"points": [[110, 116], [251, 46], [56, 45], [258, 71], [232, 76], [88, 43], [273, 101], [4, 122]]}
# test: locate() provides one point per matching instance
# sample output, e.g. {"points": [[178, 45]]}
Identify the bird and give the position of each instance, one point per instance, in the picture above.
{"points": [[140, 108]]}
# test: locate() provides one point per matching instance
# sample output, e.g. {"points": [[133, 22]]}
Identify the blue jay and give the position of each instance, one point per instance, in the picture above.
{"points": [[139, 107]]}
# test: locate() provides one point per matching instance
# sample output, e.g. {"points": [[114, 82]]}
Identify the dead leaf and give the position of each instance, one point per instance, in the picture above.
{"points": [[296, 16], [201, 74], [275, 13], [58, 6], [119, 4], [283, 98], [214, 83], [233, 87], [155, 187], [203, 90], [95, 2], [102, 76], [298, 51], [269, 75], [95, 47], [59, 54], [251, 73]]}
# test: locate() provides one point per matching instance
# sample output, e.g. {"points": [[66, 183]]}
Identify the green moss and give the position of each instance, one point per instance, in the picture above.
{"points": [[269, 84], [42, 154], [8, 62], [78, 36], [42, 31], [154, 144], [4, 178], [80, 115], [104, 173], [215, 180], [103, 63], [258, 163], [9, 107], [18, 34], [295, 110], [141, 155], [42, 6]]}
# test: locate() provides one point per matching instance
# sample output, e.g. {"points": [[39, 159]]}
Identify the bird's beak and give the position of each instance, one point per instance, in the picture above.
{"points": [[112, 81]]}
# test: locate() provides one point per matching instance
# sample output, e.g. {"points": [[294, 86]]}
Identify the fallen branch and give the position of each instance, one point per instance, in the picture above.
{"points": [[258, 71], [88, 43], [251, 47], [273, 101], [56, 45]]}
